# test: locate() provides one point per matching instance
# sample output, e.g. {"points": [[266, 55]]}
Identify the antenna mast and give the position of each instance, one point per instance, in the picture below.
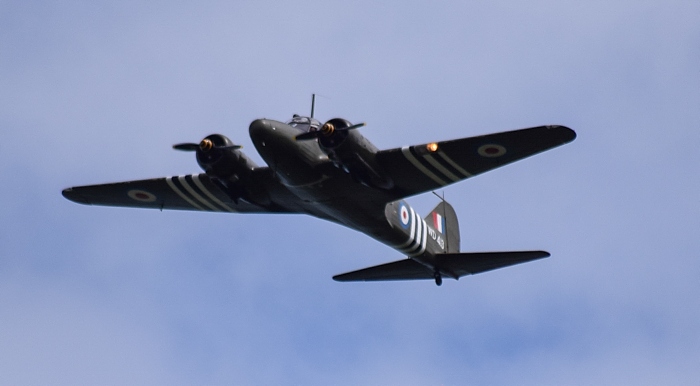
{"points": [[313, 102]]}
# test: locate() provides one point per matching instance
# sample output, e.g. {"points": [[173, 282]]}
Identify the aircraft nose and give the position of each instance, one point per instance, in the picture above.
{"points": [[271, 134], [259, 130]]}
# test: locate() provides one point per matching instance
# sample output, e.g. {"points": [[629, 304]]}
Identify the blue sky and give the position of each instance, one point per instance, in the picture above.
{"points": [[94, 92]]}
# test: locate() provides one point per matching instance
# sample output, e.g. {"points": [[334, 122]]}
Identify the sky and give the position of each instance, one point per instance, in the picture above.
{"points": [[94, 92]]}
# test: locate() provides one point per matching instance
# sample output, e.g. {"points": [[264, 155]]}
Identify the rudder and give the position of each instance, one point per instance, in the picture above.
{"points": [[444, 219]]}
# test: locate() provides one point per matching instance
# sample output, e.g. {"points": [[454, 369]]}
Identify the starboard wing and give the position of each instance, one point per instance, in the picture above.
{"points": [[190, 192], [421, 168]]}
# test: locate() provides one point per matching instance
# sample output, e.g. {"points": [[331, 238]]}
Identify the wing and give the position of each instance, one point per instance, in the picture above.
{"points": [[454, 265], [421, 168], [190, 192]]}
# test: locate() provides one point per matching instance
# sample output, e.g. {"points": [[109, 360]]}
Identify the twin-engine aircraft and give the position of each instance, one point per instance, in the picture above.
{"points": [[330, 171]]}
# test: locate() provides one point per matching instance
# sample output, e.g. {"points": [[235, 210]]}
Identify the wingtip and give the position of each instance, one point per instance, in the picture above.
{"points": [[71, 195], [340, 277], [567, 134]]}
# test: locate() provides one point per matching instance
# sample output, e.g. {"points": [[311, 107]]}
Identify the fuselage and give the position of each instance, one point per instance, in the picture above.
{"points": [[307, 171]]}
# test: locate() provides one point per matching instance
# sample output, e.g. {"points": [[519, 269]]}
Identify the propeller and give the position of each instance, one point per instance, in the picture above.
{"points": [[204, 146], [326, 131]]}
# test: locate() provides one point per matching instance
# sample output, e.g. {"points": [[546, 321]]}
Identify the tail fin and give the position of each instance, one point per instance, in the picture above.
{"points": [[444, 219]]}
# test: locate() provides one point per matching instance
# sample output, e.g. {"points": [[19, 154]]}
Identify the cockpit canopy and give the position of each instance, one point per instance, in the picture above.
{"points": [[304, 124]]}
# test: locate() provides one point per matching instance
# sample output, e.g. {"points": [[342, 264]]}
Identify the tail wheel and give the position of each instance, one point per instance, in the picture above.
{"points": [[438, 278]]}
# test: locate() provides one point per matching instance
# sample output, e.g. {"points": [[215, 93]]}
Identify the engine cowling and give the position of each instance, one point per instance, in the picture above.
{"points": [[352, 152], [332, 133], [220, 158], [228, 167]]}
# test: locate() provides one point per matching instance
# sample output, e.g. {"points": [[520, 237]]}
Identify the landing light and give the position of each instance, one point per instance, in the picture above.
{"points": [[432, 147]]}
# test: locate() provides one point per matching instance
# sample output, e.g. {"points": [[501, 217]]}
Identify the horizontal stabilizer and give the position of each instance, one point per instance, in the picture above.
{"points": [[406, 269], [461, 264], [454, 265]]}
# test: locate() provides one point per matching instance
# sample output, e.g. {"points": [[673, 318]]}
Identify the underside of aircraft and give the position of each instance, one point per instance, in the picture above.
{"points": [[330, 171]]}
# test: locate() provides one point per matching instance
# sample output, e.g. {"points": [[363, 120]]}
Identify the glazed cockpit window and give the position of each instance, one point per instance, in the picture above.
{"points": [[304, 123]]}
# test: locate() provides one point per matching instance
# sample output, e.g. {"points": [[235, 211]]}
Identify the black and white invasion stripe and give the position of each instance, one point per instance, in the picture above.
{"points": [[417, 236], [191, 189], [442, 169]]}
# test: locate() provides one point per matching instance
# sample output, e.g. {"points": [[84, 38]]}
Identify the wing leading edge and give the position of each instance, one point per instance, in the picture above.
{"points": [[421, 168], [454, 265]]}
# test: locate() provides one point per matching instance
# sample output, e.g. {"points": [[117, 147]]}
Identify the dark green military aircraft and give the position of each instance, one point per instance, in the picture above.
{"points": [[330, 171]]}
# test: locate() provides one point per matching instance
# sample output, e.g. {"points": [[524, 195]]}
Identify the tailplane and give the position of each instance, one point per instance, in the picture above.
{"points": [[452, 265]]}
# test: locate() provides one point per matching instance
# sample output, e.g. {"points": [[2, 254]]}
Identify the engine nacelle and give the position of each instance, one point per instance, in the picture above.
{"points": [[352, 152], [333, 135], [220, 158]]}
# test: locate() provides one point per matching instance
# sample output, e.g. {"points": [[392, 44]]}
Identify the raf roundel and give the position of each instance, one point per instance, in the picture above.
{"points": [[491, 150], [141, 195], [404, 216]]}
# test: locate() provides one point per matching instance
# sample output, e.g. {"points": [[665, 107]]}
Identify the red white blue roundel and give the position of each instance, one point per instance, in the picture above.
{"points": [[404, 215], [491, 150], [141, 195]]}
